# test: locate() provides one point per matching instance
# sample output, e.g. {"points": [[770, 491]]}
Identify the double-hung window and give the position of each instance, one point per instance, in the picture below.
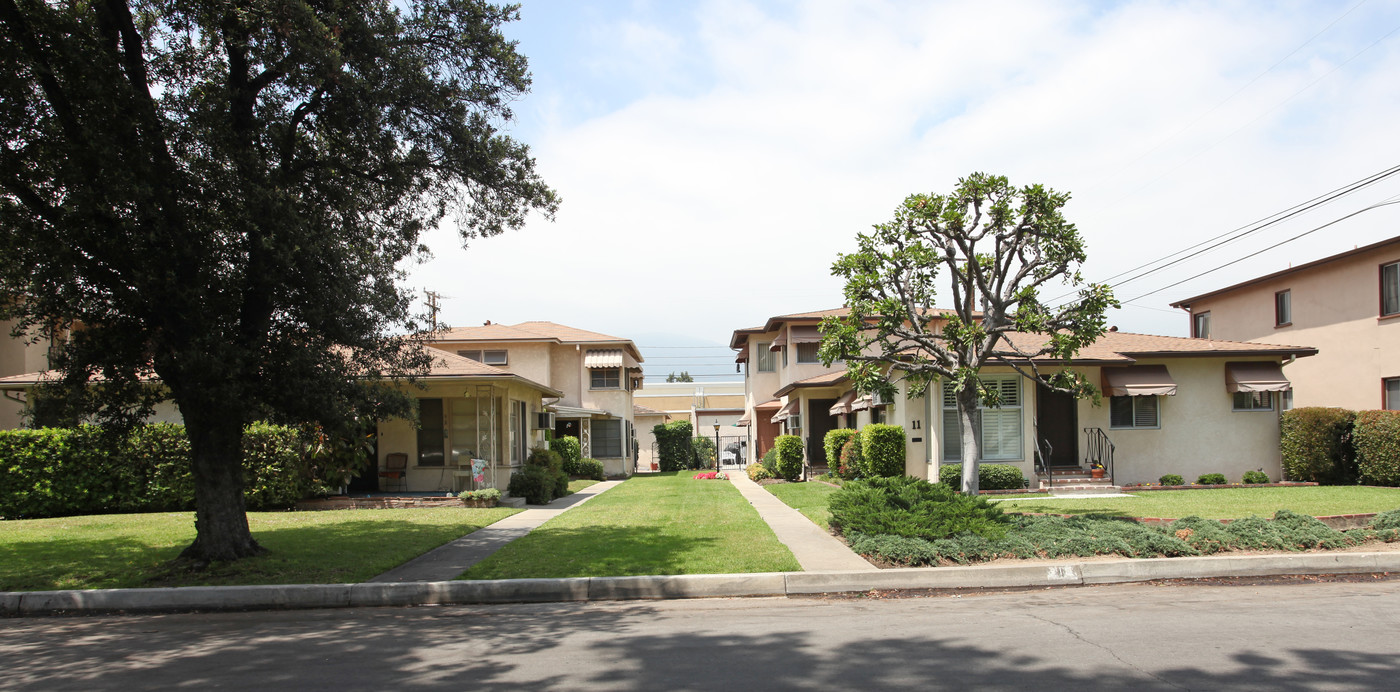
{"points": [[1200, 325], [766, 358], [807, 353], [497, 357], [1391, 388], [605, 378], [1134, 413], [1283, 308], [1390, 289], [998, 429]]}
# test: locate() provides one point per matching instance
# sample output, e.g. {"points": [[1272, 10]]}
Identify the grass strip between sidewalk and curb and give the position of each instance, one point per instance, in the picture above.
{"points": [[656, 524], [110, 551]]}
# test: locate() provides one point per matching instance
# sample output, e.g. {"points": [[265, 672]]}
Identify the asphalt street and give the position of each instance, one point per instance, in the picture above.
{"points": [[1289, 634]]}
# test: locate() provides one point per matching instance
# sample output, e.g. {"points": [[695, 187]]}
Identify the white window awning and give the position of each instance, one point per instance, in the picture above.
{"points": [[1138, 380], [1255, 376]]}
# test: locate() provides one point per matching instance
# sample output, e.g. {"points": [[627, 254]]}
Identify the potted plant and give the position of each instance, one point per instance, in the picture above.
{"points": [[1096, 470], [486, 497]]}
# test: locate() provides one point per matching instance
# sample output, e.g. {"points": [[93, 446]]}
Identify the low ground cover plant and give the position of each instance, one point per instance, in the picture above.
{"points": [[914, 508], [1085, 536]]}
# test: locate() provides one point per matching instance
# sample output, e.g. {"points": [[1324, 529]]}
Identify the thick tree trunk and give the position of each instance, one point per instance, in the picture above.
{"points": [[221, 521], [968, 401]]}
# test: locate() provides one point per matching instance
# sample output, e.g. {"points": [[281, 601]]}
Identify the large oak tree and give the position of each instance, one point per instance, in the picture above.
{"points": [[1001, 247], [222, 195]]}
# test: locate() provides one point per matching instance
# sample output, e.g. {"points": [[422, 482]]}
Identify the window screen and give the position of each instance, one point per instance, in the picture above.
{"points": [[607, 438]]}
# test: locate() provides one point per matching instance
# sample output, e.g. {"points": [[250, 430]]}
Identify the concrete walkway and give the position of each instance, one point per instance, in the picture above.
{"points": [[815, 549], [450, 560]]}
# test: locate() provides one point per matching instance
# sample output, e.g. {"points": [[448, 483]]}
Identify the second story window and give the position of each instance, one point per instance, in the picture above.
{"points": [[1390, 289], [765, 357], [1200, 325], [487, 357], [807, 353], [1283, 308], [605, 378]]}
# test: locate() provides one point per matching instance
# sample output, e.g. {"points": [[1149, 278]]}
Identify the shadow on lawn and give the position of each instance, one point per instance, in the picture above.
{"points": [[346, 551]]}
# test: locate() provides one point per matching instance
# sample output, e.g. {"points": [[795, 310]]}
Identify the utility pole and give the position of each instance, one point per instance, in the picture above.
{"points": [[433, 306]]}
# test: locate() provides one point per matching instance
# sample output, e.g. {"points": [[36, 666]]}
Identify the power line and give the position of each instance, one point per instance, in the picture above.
{"points": [[1393, 200]]}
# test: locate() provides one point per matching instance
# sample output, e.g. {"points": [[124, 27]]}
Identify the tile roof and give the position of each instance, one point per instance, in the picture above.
{"points": [[537, 330], [639, 410]]}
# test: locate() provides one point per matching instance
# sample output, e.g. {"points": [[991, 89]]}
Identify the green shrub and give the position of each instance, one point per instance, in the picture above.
{"points": [[1211, 479], [1253, 477], [833, 443], [852, 460], [703, 456], [989, 476], [484, 494], [910, 507], [673, 446], [789, 456], [1377, 439], [1171, 479], [542, 480], [758, 472], [65, 471], [1316, 445], [591, 469], [770, 461], [883, 447], [571, 451]]}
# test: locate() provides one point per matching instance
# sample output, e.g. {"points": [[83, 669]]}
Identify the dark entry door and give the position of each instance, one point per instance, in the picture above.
{"points": [[1057, 422], [820, 423]]}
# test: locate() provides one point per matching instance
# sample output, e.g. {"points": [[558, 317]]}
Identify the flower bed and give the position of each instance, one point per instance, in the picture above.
{"points": [[710, 476], [1195, 486]]}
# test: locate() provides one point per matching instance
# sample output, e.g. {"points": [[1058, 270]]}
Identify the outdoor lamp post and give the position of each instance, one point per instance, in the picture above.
{"points": [[716, 446]]}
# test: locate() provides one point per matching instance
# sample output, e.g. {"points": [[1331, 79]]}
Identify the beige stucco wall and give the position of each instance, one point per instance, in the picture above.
{"points": [[646, 440], [399, 435], [1336, 308], [566, 373]]}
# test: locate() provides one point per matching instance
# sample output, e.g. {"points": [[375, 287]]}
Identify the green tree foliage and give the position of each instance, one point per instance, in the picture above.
{"points": [[673, 445], [1001, 247], [223, 194], [703, 449], [683, 377], [789, 456]]}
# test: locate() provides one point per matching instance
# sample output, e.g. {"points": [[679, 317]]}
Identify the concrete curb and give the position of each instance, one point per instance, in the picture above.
{"points": [[305, 596]]}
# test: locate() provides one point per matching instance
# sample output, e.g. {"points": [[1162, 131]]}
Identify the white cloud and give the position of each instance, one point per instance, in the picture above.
{"points": [[754, 141]]}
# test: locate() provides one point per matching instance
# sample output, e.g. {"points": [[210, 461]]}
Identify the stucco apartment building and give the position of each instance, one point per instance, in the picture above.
{"points": [[594, 374], [1346, 305], [1169, 405], [17, 357]]}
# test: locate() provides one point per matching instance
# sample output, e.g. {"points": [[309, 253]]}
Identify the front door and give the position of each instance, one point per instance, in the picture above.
{"points": [[820, 422], [1057, 423]]}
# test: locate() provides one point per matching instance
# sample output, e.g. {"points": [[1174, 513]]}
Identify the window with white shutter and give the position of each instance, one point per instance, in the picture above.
{"points": [[999, 429]]}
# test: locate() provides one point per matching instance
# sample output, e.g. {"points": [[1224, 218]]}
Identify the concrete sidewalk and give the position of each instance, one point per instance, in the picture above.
{"points": [[451, 559], [815, 549]]}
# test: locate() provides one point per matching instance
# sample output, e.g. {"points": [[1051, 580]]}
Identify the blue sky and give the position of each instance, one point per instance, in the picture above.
{"points": [[713, 157]]}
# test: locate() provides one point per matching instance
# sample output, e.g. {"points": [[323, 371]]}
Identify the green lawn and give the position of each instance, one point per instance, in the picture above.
{"points": [[1231, 503], [663, 523], [131, 550], [580, 484], [808, 498]]}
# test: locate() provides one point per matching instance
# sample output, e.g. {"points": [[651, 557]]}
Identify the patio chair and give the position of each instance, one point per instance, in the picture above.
{"points": [[395, 471]]}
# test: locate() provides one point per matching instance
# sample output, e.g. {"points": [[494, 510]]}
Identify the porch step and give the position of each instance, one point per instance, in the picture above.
{"points": [[1068, 471], [1082, 479]]}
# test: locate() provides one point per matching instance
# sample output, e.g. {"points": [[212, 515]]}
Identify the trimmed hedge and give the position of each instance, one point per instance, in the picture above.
{"points": [[1254, 477], [542, 480], [852, 463], [1316, 445], [54, 472], [1172, 479], [989, 476], [912, 508], [591, 469], [833, 444], [1376, 435], [789, 456], [1211, 479], [673, 446], [570, 451], [883, 447]]}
